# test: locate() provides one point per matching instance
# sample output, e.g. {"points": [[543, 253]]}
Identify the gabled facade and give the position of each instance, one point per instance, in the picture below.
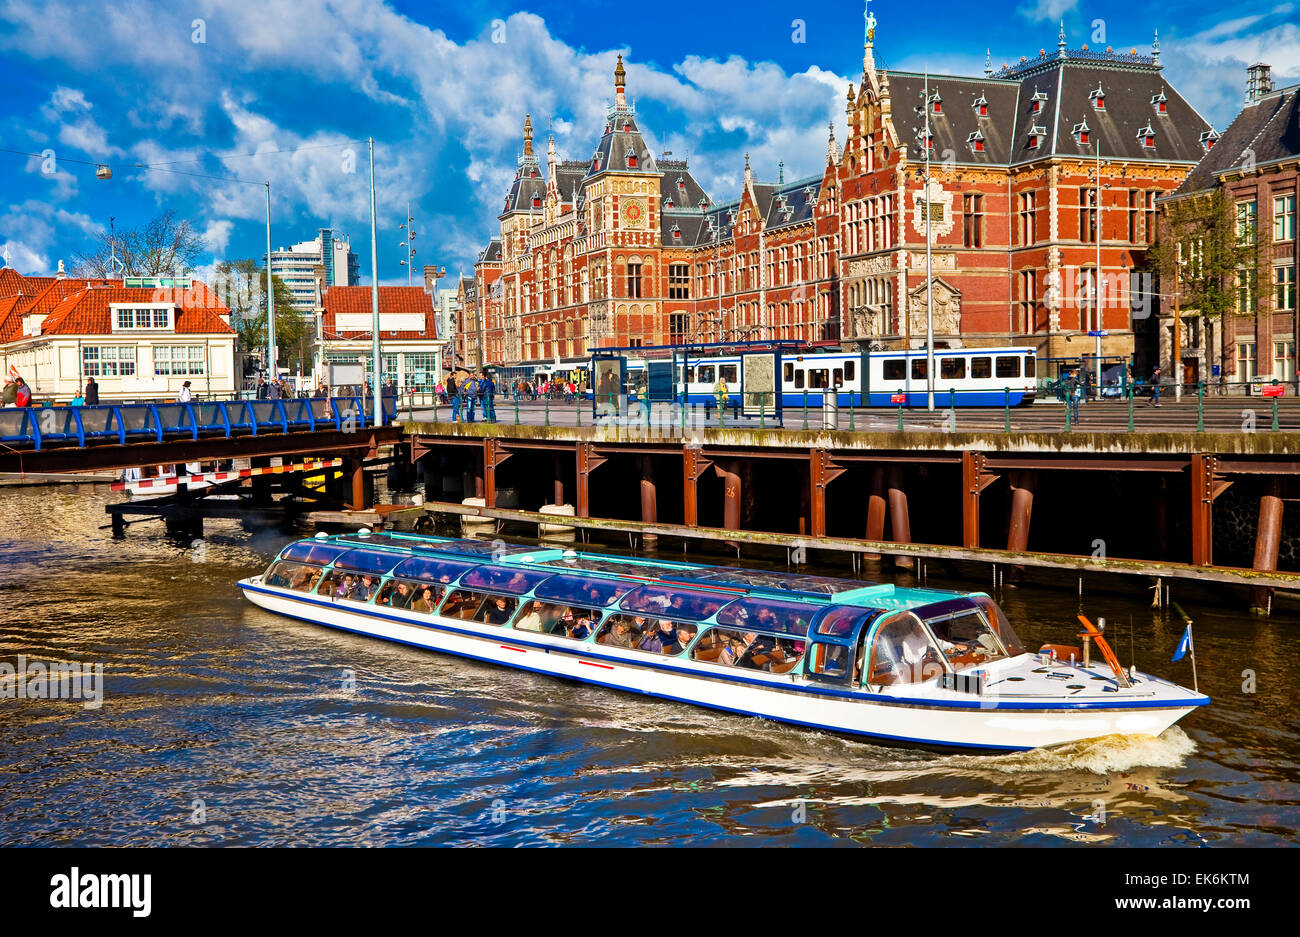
{"points": [[411, 348]]}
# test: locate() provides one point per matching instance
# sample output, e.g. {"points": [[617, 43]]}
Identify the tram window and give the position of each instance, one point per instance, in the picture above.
{"points": [[789, 373], [894, 369], [952, 369], [704, 374], [727, 372], [1008, 366], [919, 368], [981, 367], [817, 378], [799, 379], [903, 651], [837, 377], [850, 368], [1029, 366]]}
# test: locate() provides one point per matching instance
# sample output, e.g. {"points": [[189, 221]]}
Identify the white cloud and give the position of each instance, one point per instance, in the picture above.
{"points": [[25, 260], [217, 236], [1050, 10]]}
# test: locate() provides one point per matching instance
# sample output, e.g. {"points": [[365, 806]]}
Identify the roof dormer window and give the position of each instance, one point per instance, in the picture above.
{"points": [[1147, 137], [703, 203], [668, 201], [1208, 139], [627, 127], [1037, 102], [681, 183], [981, 106], [936, 103], [631, 160], [1082, 135], [976, 142], [924, 139], [537, 201], [1160, 103], [1098, 99], [1036, 137]]}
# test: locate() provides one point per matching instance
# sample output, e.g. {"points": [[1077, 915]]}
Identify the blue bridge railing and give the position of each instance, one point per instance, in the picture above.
{"points": [[154, 422]]}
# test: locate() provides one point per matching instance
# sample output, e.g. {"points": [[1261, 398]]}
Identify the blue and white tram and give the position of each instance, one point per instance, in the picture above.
{"points": [[966, 377]]}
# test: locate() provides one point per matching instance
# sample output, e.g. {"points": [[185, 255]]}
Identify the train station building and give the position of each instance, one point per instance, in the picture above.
{"points": [[624, 248]]}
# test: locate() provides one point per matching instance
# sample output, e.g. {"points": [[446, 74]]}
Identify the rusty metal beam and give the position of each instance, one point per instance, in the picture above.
{"points": [[1203, 480], [909, 457], [972, 465], [588, 462], [822, 470], [694, 464], [1240, 467], [1088, 464]]}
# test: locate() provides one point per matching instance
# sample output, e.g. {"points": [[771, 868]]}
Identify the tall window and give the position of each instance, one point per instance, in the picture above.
{"points": [[1087, 214], [634, 279], [1284, 218], [973, 220], [1133, 211], [178, 359], [679, 281], [1150, 197], [1283, 359], [678, 324], [1284, 288], [1245, 361], [1246, 292], [1246, 220], [1026, 213], [1028, 300]]}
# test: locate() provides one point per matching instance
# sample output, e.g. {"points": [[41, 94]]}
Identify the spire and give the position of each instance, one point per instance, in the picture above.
{"points": [[749, 176], [868, 45], [1155, 47], [849, 102], [830, 144], [550, 162], [620, 83], [528, 134], [780, 172], [988, 63], [1060, 42]]}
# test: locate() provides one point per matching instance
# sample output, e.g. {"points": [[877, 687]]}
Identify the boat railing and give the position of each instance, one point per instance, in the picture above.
{"points": [[42, 427]]}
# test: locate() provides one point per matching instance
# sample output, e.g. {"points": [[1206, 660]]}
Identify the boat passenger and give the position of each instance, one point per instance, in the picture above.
{"points": [[344, 589], [532, 619], [497, 612], [277, 578], [398, 595], [301, 578], [581, 629], [664, 636], [685, 635], [426, 601], [619, 634], [364, 589], [760, 652], [733, 652]]}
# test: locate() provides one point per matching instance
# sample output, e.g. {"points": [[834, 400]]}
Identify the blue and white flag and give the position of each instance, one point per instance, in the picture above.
{"points": [[1184, 645]]}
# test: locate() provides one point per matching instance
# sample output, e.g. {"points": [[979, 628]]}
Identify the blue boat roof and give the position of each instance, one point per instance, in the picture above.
{"points": [[603, 578]]}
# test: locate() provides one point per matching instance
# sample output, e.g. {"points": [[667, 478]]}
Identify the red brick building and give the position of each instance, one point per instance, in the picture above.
{"points": [[626, 249]]}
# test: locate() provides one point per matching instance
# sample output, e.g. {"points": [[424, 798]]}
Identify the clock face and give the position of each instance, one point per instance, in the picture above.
{"points": [[633, 214]]}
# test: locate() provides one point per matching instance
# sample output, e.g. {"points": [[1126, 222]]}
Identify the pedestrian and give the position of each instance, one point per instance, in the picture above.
{"points": [[92, 393], [1155, 388], [723, 393], [22, 394], [487, 390], [185, 395], [469, 390], [1073, 389], [453, 394], [273, 390], [262, 389], [78, 401], [10, 393]]}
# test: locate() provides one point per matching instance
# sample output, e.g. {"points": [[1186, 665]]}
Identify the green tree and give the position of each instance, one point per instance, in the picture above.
{"points": [[163, 246], [242, 285], [1207, 252]]}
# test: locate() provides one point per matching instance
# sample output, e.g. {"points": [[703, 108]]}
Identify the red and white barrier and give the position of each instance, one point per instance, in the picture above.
{"points": [[213, 478]]}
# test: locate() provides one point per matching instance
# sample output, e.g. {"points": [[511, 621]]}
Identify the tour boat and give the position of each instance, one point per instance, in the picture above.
{"points": [[873, 660]]}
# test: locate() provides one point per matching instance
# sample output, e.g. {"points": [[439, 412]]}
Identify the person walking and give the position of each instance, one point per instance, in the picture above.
{"points": [[453, 394], [10, 393], [262, 389], [92, 393], [1073, 390], [487, 390], [1155, 388], [185, 395], [22, 393], [469, 388]]}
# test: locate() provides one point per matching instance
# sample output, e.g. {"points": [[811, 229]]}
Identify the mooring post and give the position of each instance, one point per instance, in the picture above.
{"points": [[876, 508], [805, 409], [548, 409], [900, 417], [731, 491], [1130, 407], [1268, 538], [1200, 406], [852, 408], [1022, 508], [901, 527]]}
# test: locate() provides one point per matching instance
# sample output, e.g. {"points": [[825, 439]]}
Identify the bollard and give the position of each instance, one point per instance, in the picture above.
{"points": [[548, 409], [722, 412], [851, 425], [762, 411], [577, 400], [683, 413], [1200, 406], [1067, 413], [900, 417], [805, 409], [516, 409], [952, 410], [1130, 407], [1276, 427], [1006, 410]]}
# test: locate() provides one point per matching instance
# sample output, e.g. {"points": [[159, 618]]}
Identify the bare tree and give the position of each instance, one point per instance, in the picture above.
{"points": [[162, 247]]}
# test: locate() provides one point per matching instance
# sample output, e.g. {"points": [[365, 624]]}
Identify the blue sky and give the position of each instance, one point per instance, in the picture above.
{"points": [[443, 89]]}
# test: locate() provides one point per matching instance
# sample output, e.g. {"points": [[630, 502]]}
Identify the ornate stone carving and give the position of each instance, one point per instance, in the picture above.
{"points": [[871, 266], [940, 202], [947, 308], [938, 261]]}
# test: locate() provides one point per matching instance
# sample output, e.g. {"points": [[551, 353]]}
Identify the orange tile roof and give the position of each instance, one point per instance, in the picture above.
{"points": [[392, 299], [88, 313]]}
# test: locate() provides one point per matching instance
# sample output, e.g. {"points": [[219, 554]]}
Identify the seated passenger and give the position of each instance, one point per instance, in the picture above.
{"points": [[314, 581], [426, 601], [344, 588], [278, 577], [760, 652], [532, 618], [662, 637], [581, 629], [497, 611], [685, 634], [398, 596], [619, 634], [365, 589], [733, 652]]}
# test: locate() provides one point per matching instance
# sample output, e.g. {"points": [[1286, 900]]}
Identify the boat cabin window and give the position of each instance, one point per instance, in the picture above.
{"points": [[311, 551], [966, 638], [673, 600], [301, 577], [564, 621], [755, 614], [400, 593], [487, 607], [749, 650], [981, 367], [510, 580], [583, 590], [997, 620], [1008, 366], [368, 561], [952, 369], [644, 633], [903, 651], [894, 369], [919, 366], [345, 584], [428, 570], [829, 661]]}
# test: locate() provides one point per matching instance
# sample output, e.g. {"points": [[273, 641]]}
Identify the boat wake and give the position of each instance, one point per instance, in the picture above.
{"points": [[1105, 755]]}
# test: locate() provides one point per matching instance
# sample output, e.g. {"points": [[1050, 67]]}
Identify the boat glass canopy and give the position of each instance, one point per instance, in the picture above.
{"points": [[674, 602], [587, 590], [770, 615], [768, 579], [430, 570], [635, 570], [368, 561], [309, 551], [510, 579]]}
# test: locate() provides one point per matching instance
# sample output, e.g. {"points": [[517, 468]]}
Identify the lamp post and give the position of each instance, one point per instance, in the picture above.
{"points": [[409, 227], [929, 276], [1096, 290], [270, 302], [374, 294]]}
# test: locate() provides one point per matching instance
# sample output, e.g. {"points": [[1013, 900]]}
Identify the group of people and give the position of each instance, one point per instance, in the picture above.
{"points": [[16, 391], [465, 393]]}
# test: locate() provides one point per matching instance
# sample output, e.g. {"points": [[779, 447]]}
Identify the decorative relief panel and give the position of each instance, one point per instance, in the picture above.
{"points": [[947, 309], [940, 207]]}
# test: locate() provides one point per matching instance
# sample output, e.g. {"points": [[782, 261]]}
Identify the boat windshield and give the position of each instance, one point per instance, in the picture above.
{"points": [[370, 561], [758, 614], [310, 551], [997, 620], [964, 633], [767, 579], [427, 570], [674, 602], [584, 589], [509, 579]]}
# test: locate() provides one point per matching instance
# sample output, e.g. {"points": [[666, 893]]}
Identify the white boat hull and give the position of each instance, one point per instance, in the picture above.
{"points": [[986, 722]]}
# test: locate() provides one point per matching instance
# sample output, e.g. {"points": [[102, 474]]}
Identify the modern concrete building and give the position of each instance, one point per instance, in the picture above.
{"points": [[296, 267]]}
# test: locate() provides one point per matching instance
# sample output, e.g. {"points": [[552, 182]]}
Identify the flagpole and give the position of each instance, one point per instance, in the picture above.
{"points": [[1191, 649]]}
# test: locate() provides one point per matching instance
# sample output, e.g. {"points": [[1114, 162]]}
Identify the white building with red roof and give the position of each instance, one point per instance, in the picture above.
{"points": [[140, 342], [410, 346]]}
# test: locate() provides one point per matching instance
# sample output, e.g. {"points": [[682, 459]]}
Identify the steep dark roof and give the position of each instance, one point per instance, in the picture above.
{"points": [[528, 185], [620, 137], [492, 253], [952, 128], [1268, 128]]}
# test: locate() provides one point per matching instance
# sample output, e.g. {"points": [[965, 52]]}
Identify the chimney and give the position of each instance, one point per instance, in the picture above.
{"points": [[318, 281], [1259, 82], [430, 279]]}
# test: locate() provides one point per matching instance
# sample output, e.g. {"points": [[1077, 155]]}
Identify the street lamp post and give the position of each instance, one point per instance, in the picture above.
{"points": [[1096, 291], [929, 276], [408, 263], [374, 295], [270, 304]]}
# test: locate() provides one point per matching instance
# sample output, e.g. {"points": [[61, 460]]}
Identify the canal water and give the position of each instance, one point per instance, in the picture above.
{"points": [[223, 724]]}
